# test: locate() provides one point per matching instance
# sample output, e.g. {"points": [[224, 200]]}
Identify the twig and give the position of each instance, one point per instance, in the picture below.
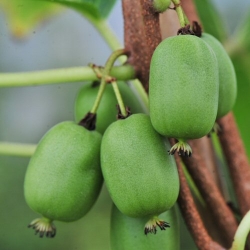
{"points": [[237, 161], [210, 193], [142, 35], [191, 215]]}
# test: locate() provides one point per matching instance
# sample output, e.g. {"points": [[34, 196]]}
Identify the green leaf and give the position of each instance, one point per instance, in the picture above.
{"points": [[239, 48], [210, 19], [92, 9], [241, 108], [23, 16]]}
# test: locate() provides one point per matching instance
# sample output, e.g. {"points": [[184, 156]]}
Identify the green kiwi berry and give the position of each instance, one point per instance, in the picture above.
{"points": [[126, 233], [141, 177], [183, 90], [161, 5], [227, 76], [63, 178]]}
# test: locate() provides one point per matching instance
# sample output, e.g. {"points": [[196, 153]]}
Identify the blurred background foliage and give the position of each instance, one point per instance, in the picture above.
{"points": [[46, 36]]}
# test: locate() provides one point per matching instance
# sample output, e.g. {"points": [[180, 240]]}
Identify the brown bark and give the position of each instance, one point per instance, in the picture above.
{"points": [[209, 158], [237, 161], [211, 194], [191, 215], [142, 35]]}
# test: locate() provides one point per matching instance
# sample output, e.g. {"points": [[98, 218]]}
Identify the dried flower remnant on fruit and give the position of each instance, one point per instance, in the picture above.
{"points": [[43, 227], [197, 29], [119, 115], [88, 121], [182, 148], [186, 30], [152, 224]]}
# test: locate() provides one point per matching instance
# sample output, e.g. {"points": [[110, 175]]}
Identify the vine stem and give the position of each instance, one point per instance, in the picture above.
{"points": [[210, 192], [241, 233], [181, 15], [53, 76], [119, 99], [106, 73], [237, 160], [17, 149], [191, 214]]}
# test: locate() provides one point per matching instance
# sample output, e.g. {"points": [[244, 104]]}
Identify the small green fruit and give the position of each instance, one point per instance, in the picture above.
{"points": [[227, 76], [141, 177], [63, 178], [161, 5], [183, 88], [107, 111], [126, 234]]}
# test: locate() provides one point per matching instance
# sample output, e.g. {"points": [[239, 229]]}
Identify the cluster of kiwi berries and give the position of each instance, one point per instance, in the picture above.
{"points": [[192, 83], [65, 174]]}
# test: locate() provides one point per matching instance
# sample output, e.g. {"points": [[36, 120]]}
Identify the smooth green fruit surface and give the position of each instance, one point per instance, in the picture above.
{"points": [[183, 87], [126, 232], [161, 5], [63, 178], [107, 111], [227, 76], [141, 177]]}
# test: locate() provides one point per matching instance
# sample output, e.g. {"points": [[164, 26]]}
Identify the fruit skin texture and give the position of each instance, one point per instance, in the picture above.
{"points": [[161, 5], [107, 111], [183, 87], [126, 233], [227, 76], [63, 178], [140, 176]]}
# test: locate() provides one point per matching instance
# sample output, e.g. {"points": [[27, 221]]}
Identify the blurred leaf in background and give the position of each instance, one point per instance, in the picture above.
{"points": [[239, 48], [23, 16], [94, 10], [211, 19]]}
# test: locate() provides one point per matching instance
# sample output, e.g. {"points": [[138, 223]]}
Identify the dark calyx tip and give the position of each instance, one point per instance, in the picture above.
{"points": [[88, 121], [119, 114], [152, 224], [162, 224], [194, 30]]}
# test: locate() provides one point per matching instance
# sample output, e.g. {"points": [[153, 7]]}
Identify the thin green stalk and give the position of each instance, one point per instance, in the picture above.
{"points": [[109, 36], [119, 99], [181, 15], [106, 72], [241, 233], [53, 76], [17, 149]]}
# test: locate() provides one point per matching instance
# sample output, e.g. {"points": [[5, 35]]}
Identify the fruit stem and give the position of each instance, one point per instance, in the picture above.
{"points": [[63, 75], [241, 233], [119, 99], [17, 149], [181, 15], [105, 77]]}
